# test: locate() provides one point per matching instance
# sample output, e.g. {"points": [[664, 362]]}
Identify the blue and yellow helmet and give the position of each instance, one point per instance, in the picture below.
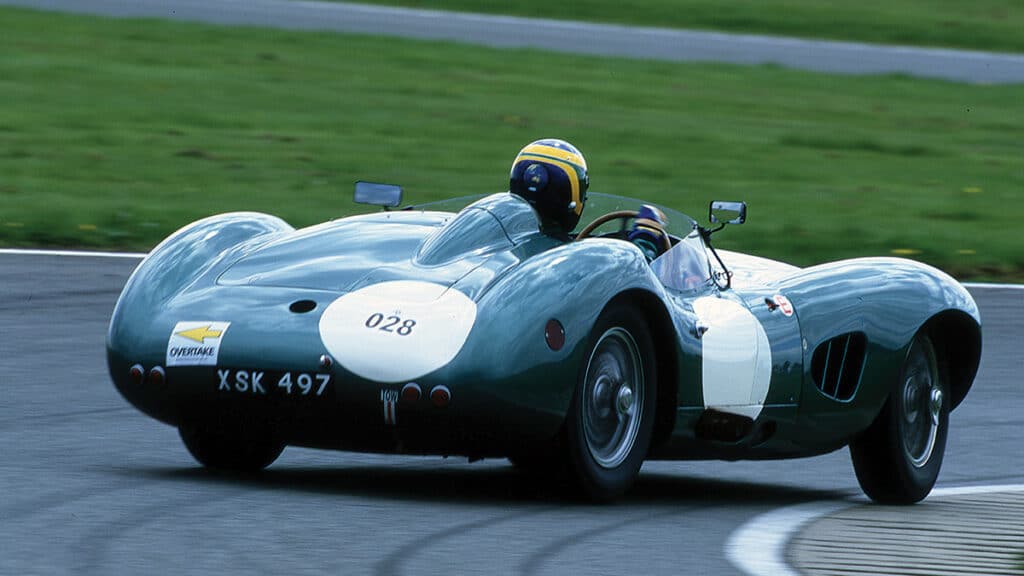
{"points": [[552, 175]]}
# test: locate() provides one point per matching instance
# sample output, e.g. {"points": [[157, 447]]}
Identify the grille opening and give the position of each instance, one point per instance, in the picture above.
{"points": [[837, 365], [302, 306]]}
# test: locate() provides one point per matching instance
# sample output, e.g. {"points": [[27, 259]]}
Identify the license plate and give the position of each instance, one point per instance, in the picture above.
{"points": [[272, 383]]}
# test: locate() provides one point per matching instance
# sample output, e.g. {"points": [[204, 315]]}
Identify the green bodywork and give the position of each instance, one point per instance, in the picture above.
{"points": [[509, 387]]}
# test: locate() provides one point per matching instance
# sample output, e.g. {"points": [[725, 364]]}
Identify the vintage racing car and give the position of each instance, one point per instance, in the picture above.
{"points": [[462, 329]]}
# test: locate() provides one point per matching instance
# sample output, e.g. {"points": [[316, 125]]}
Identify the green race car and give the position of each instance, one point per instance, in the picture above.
{"points": [[463, 328]]}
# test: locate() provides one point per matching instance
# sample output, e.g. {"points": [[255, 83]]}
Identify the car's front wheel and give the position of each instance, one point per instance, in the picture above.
{"points": [[897, 459], [230, 448], [612, 411]]}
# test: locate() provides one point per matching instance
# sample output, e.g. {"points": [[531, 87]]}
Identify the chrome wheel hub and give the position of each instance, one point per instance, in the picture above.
{"points": [[625, 400], [613, 398], [936, 405], [922, 401]]}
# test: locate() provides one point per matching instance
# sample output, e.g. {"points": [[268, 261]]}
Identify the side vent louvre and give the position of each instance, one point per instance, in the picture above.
{"points": [[837, 365]]}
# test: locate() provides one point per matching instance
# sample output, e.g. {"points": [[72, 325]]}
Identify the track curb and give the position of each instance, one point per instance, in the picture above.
{"points": [[961, 530]]}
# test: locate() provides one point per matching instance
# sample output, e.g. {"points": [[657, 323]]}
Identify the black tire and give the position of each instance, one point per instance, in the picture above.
{"points": [[608, 429], [897, 459], [230, 448]]}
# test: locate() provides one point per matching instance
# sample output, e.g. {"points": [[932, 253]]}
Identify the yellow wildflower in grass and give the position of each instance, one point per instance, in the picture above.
{"points": [[905, 251], [966, 251], [972, 190], [87, 227]]}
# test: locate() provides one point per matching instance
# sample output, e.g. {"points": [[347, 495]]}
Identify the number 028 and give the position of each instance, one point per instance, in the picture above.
{"points": [[391, 324]]}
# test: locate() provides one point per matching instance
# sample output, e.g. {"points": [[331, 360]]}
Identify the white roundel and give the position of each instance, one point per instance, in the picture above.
{"points": [[397, 331], [736, 357]]}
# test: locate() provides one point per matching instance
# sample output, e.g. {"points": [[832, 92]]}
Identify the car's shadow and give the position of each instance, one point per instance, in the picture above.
{"points": [[495, 484]]}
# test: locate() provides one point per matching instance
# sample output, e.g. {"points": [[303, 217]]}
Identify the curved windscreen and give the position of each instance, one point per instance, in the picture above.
{"points": [[685, 266], [679, 224]]}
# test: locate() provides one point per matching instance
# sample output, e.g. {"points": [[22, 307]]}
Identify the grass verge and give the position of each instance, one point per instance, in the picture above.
{"points": [[978, 24], [113, 133]]}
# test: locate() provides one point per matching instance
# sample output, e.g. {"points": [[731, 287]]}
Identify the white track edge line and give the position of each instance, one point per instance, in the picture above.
{"points": [[79, 253], [993, 286], [93, 254], [758, 548]]}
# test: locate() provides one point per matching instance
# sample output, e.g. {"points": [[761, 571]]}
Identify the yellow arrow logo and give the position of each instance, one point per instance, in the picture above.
{"points": [[200, 334]]}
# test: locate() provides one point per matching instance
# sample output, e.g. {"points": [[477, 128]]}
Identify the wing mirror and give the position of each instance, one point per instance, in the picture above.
{"points": [[721, 212], [386, 195]]}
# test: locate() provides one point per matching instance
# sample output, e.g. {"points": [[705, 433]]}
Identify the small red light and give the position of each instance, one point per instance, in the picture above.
{"points": [[440, 396], [157, 376], [411, 392], [136, 372], [554, 334], [325, 361]]}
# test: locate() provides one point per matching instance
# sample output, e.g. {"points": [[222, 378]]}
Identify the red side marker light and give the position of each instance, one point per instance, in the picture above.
{"points": [[136, 372], [411, 392], [440, 396], [157, 376], [554, 335]]}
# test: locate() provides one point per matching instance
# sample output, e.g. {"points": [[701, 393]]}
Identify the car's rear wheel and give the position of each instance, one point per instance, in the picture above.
{"points": [[897, 459], [231, 448], [612, 412]]}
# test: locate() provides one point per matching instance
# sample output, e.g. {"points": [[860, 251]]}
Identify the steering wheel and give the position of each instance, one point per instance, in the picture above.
{"points": [[624, 215]]}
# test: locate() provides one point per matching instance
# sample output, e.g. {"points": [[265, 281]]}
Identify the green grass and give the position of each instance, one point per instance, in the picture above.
{"points": [[975, 24], [113, 133]]}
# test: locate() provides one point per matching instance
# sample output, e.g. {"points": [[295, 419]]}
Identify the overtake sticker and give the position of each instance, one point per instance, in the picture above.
{"points": [[195, 343]]}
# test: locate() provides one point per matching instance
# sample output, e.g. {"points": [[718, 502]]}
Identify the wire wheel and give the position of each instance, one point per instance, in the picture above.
{"points": [[611, 416], [921, 404], [897, 459], [613, 398]]}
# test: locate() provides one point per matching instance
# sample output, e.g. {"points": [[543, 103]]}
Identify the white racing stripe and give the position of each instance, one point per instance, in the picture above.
{"points": [[758, 548], [736, 360]]}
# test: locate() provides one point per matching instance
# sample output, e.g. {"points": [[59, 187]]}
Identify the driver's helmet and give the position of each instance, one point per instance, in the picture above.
{"points": [[552, 176]]}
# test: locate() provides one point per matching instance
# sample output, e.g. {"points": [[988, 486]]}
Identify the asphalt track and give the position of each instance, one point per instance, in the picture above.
{"points": [[90, 486], [563, 36]]}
